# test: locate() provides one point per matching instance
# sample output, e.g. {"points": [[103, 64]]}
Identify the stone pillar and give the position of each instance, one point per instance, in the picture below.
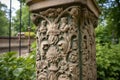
{"points": [[65, 38]]}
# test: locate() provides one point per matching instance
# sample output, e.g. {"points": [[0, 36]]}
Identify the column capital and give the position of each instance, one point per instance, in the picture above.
{"points": [[36, 5]]}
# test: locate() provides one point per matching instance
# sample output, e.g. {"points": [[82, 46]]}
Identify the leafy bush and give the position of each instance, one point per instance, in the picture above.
{"points": [[102, 35], [17, 68], [108, 62]]}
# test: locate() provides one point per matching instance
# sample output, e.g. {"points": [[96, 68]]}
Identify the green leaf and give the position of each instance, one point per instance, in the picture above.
{"points": [[17, 71]]}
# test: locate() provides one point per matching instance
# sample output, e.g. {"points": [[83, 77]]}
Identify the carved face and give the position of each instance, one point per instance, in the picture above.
{"points": [[62, 45], [73, 56], [63, 77], [64, 20], [43, 28], [53, 29]]}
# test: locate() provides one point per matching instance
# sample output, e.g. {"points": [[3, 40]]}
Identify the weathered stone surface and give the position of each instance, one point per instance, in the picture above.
{"points": [[40, 4], [65, 39]]}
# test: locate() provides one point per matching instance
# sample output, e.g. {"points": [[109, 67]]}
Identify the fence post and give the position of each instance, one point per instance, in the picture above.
{"points": [[65, 38]]}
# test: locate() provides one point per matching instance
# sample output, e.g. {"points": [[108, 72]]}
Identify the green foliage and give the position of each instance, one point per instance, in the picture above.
{"points": [[102, 35], [16, 20], [110, 11], [108, 65], [25, 20], [108, 55], [17, 68], [3, 21]]}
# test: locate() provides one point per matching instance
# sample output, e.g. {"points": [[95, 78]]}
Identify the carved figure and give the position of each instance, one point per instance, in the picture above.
{"points": [[63, 47], [64, 24], [53, 33], [64, 27], [43, 48], [73, 56], [74, 12], [43, 29]]}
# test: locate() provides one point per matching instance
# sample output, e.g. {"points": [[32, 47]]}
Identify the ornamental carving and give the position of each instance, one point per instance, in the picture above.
{"points": [[89, 22], [65, 42]]}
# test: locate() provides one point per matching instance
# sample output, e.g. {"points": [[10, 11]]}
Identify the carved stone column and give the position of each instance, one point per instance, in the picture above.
{"points": [[65, 38]]}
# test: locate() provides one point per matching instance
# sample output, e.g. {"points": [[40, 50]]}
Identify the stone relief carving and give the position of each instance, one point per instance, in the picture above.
{"points": [[88, 45], [58, 53], [53, 33], [57, 36]]}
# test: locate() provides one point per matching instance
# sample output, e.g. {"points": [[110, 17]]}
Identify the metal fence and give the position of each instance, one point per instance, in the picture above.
{"points": [[20, 26]]}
